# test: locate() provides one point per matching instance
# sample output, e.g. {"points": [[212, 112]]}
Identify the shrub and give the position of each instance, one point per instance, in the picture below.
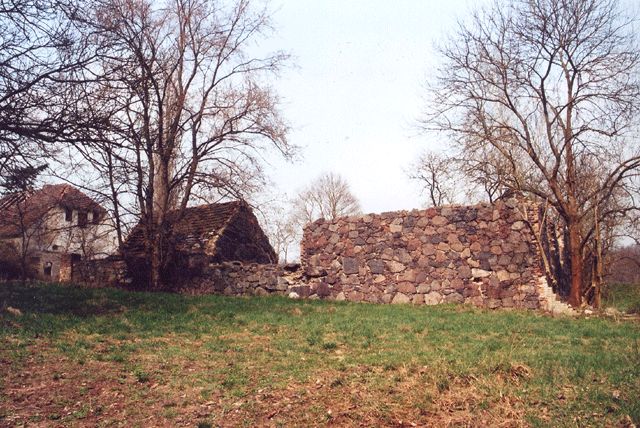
{"points": [[9, 261]]}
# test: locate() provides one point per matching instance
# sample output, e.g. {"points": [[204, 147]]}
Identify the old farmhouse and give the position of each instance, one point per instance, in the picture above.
{"points": [[41, 228]]}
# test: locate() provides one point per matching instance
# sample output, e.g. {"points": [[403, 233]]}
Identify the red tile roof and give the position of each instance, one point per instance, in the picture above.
{"points": [[24, 209]]}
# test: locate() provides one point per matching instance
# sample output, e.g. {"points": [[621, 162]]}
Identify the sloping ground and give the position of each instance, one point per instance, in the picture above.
{"points": [[77, 357]]}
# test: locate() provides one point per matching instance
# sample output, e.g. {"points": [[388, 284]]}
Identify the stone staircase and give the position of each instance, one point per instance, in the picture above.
{"points": [[550, 302]]}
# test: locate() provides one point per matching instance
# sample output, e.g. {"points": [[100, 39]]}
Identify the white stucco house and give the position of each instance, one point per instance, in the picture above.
{"points": [[57, 220]]}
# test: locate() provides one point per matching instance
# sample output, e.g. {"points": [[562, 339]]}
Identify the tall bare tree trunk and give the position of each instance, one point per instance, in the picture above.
{"points": [[24, 252], [158, 247], [596, 277], [161, 206], [575, 257]]}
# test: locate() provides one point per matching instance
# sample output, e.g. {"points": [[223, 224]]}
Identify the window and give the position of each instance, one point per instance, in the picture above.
{"points": [[68, 214], [95, 218], [82, 218]]}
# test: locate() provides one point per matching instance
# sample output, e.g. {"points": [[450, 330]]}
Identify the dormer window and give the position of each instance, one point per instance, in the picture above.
{"points": [[95, 218], [82, 219], [68, 214]]}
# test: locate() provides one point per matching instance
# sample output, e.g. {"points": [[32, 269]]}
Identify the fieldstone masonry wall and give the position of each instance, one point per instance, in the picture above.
{"points": [[483, 254], [236, 279], [109, 272], [203, 277]]}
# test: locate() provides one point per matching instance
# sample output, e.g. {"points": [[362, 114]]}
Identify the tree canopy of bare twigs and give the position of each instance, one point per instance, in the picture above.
{"points": [[550, 88], [449, 178], [176, 109], [625, 266], [280, 224], [39, 53], [327, 197], [436, 174]]}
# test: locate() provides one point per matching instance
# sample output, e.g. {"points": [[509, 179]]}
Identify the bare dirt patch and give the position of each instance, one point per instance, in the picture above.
{"points": [[50, 389]]}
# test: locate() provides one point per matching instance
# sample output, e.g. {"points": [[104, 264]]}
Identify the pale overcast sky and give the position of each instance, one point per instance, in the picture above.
{"points": [[355, 92]]}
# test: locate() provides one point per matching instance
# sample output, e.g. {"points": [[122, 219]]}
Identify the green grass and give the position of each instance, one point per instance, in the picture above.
{"points": [[624, 297], [166, 354]]}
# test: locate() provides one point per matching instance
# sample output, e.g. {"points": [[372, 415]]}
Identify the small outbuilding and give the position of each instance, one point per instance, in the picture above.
{"points": [[212, 233]]}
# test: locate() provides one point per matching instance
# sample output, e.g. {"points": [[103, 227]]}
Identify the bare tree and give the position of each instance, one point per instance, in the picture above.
{"points": [[17, 221], [39, 56], [328, 197], [452, 178], [551, 87], [281, 226], [283, 233], [625, 268], [436, 173], [180, 110], [484, 170]]}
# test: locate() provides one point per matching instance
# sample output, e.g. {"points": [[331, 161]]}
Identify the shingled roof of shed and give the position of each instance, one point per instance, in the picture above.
{"points": [[33, 205], [190, 230]]}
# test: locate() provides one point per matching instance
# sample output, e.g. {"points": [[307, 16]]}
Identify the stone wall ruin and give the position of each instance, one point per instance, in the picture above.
{"points": [[483, 254], [108, 272]]}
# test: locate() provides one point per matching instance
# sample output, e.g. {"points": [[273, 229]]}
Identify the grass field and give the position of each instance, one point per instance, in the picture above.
{"points": [[81, 357]]}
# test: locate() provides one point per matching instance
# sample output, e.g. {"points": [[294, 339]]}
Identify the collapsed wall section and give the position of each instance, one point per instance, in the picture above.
{"points": [[483, 254]]}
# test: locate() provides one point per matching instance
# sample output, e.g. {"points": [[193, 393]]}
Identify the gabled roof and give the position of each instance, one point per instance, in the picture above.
{"points": [[191, 230], [24, 209]]}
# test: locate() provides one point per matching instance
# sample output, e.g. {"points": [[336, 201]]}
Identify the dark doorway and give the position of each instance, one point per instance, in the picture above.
{"points": [[47, 269]]}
